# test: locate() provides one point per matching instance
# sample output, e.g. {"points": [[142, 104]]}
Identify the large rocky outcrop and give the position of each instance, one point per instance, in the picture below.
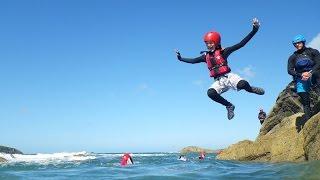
{"points": [[195, 149], [311, 135], [287, 104], [9, 150], [285, 135]]}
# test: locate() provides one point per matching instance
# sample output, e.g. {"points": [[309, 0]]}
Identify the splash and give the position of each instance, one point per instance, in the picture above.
{"points": [[45, 158]]}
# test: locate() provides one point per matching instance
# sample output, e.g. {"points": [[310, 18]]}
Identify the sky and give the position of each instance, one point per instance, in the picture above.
{"points": [[102, 76]]}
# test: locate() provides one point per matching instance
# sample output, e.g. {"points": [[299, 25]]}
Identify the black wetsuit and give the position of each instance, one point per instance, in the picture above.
{"points": [[312, 53], [262, 116], [314, 56], [212, 93]]}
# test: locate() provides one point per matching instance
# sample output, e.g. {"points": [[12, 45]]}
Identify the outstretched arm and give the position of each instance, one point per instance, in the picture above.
{"points": [[191, 60], [255, 28]]}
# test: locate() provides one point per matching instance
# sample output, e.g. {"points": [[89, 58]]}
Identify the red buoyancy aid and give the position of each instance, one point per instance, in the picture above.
{"points": [[217, 65], [125, 158]]}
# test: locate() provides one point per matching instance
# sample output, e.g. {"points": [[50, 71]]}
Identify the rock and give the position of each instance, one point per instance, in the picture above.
{"points": [[311, 135], [80, 155], [9, 150], [195, 149], [2, 160], [283, 144], [287, 104], [285, 135], [245, 151]]}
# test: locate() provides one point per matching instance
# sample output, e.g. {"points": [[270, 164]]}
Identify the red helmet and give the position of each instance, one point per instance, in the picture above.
{"points": [[126, 156], [212, 37]]}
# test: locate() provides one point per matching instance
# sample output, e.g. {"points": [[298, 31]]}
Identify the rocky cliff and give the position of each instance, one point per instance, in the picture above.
{"points": [[9, 150], [285, 135]]}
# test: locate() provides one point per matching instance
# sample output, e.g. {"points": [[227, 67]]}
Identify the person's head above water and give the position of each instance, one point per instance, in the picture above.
{"points": [[299, 42], [212, 40], [126, 159]]}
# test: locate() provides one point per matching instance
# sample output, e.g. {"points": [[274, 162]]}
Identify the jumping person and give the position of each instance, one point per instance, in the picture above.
{"points": [[304, 66], [216, 59]]}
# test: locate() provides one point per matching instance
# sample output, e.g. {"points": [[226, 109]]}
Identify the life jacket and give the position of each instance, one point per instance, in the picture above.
{"points": [[126, 159], [303, 63], [217, 65]]}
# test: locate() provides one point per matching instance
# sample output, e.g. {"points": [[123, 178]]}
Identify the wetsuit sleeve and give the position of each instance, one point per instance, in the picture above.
{"points": [[316, 59], [291, 69], [194, 60], [229, 50]]}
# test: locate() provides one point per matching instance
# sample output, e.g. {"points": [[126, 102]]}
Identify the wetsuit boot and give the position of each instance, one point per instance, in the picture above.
{"points": [[212, 93], [257, 90], [230, 110], [243, 84]]}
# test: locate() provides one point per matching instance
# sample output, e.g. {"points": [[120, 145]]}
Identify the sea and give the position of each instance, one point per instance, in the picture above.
{"points": [[163, 165]]}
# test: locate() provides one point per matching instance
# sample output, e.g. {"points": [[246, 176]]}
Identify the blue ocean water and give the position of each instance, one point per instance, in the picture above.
{"points": [[147, 166]]}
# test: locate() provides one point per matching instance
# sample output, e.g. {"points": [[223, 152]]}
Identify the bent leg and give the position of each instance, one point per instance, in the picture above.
{"points": [[213, 94], [243, 84]]}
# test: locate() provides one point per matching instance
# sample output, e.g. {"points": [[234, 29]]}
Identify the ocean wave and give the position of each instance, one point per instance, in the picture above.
{"points": [[111, 155], [44, 158]]}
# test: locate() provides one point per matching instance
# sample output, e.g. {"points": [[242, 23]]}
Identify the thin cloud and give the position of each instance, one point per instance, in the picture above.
{"points": [[197, 82], [247, 72], [315, 42], [143, 87], [24, 110]]}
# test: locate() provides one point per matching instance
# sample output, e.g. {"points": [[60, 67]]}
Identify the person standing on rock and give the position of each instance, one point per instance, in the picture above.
{"points": [[262, 116], [304, 66], [216, 59]]}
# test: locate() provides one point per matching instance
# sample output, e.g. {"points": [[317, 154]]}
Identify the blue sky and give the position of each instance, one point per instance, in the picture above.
{"points": [[102, 76]]}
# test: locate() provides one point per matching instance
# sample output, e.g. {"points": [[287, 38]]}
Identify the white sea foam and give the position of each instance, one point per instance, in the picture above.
{"points": [[42, 158], [152, 154], [132, 154], [70, 156]]}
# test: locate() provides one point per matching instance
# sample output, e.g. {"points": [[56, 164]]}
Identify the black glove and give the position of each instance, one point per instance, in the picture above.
{"points": [[178, 55]]}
